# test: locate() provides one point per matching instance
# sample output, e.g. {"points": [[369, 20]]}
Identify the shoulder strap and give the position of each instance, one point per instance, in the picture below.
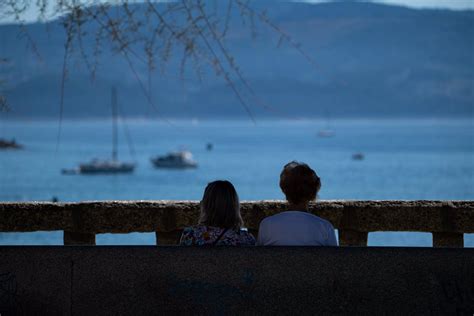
{"points": [[220, 237]]}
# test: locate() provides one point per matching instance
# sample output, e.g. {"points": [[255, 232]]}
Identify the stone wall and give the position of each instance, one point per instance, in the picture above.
{"points": [[219, 281], [446, 220]]}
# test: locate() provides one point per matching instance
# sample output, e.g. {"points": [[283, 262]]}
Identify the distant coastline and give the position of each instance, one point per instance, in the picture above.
{"points": [[372, 60]]}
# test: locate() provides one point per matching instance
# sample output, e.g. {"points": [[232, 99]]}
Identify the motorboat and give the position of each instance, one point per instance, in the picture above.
{"points": [[326, 133], [176, 160]]}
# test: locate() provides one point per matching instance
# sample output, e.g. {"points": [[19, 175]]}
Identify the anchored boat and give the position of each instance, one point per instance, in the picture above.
{"points": [[107, 166], [9, 144], [176, 160]]}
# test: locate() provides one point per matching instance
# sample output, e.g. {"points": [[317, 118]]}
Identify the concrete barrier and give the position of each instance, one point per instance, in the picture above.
{"points": [[81, 280], [446, 220]]}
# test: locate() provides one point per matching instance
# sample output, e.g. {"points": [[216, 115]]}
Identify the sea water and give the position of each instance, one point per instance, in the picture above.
{"points": [[407, 159]]}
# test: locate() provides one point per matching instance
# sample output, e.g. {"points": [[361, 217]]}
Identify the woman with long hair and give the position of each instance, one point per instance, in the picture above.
{"points": [[220, 223]]}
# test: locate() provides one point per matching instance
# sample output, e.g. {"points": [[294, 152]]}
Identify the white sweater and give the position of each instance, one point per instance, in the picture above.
{"points": [[296, 228]]}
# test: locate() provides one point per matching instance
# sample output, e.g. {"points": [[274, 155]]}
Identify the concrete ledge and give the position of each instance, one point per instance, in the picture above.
{"points": [[446, 220], [257, 280], [168, 216]]}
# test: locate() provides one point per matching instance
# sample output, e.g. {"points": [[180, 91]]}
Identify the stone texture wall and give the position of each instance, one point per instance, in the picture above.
{"points": [[447, 220], [227, 281]]}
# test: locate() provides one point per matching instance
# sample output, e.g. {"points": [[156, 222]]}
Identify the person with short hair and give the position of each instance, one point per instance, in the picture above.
{"points": [[220, 222], [297, 227]]}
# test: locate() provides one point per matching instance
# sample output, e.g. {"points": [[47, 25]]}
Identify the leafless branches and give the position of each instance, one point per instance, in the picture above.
{"points": [[152, 35]]}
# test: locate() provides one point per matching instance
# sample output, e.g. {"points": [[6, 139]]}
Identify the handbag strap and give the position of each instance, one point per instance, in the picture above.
{"points": [[220, 236]]}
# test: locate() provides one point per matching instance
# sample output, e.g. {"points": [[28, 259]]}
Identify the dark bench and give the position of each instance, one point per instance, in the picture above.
{"points": [[141, 280]]}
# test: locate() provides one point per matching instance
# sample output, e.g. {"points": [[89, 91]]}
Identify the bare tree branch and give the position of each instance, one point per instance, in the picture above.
{"points": [[186, 28]]}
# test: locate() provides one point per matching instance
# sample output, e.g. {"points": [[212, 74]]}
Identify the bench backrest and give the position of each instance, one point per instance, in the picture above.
{"points": [[82, 280]]}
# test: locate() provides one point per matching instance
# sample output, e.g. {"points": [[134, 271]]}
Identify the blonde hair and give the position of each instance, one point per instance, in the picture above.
{"points": [[220, 206]]}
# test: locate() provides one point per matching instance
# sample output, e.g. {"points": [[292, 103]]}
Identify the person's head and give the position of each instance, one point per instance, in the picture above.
{"points": [[299, 183], [220, 206]]}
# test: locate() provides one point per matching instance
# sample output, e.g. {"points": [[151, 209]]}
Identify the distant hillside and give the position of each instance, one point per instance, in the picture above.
{"points": [[372, 60]]}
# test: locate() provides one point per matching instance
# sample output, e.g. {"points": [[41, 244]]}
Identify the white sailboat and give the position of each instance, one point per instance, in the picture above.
{"points": [[327, 131], [106, 166]]}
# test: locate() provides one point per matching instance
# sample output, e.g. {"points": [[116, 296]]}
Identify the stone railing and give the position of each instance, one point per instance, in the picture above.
{"points": [[446, 220]]}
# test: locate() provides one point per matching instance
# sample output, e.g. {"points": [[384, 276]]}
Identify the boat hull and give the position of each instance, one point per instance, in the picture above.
{"points": [[112, 169], [7, 144], [175, 160], [173, 165]]}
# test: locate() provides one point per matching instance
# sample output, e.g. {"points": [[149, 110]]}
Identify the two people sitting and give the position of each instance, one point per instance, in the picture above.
{"points": [[220, 222]]}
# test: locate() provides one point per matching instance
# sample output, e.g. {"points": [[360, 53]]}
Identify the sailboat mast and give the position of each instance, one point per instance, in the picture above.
{"points": [[114, 123]]}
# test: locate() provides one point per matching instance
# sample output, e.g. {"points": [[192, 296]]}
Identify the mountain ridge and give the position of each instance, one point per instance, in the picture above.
{"points": [[371, 60]]}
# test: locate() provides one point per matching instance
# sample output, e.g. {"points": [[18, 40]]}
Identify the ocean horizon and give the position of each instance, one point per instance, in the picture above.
{"points": [[403, 159]]}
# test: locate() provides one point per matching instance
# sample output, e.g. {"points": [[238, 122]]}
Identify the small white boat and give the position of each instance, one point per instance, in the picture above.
{"points": [[326, 133], [177, 160]]}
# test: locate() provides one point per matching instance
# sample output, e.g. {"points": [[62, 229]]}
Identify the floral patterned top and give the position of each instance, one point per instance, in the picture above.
{"points": [[207, 235]]}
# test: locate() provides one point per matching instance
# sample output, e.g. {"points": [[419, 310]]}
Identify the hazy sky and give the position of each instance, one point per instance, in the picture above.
{"points": [[32, 14]]}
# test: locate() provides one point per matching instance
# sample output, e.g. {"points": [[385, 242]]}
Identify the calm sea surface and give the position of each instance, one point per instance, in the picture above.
{"points": [[404, 159]]}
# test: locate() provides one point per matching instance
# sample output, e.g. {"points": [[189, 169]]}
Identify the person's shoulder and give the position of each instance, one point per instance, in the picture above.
{"points": [[320, 220], [288, 214], [245, 237], [324, 221], [282, 216], [285, 216], [270, 219], [194, 229]]}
